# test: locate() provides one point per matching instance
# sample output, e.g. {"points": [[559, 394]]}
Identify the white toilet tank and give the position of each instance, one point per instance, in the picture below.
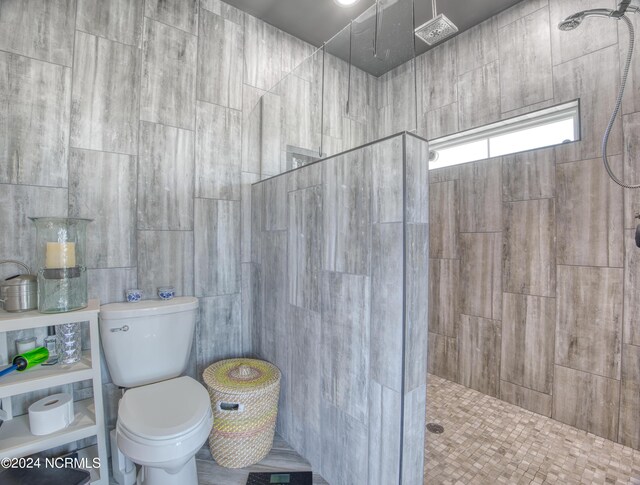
{"points": [[147, 341]]}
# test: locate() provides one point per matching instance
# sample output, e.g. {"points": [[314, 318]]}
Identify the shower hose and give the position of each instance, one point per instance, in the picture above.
{"points": [[607, 133]]}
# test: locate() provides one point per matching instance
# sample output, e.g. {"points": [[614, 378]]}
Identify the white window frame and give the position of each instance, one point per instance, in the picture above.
{"points": [[561, 112]]}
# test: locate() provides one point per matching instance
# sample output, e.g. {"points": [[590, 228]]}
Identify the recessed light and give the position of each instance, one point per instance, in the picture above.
{"points": [[346, 3]]}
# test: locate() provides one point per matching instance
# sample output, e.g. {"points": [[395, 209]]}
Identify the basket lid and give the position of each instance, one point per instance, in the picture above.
{"points": [[241, 375]]}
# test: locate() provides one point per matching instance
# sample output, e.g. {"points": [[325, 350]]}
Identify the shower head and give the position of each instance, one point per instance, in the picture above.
{"points": [[573, 21], [436, 30]]}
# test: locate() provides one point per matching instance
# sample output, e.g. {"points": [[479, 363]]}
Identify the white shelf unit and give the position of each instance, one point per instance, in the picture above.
{"points": [[16, 439]]}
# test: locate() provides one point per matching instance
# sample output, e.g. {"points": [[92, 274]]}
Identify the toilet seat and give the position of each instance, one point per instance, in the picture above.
{"points": [[164, 411]]}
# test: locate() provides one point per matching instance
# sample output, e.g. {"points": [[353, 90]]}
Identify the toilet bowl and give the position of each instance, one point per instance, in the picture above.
{"points": [[162, 426], [163, 419]]}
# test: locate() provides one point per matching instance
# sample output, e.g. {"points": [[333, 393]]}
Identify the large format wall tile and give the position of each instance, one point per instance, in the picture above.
{"points": [[41, 29], [443, 356], [528, 333], [301, 109], [444, 218], [34, 121], [631, 290], [386, 181], [631, 168], [275, 309], [220, 54], [216, 232], [416, 305], [347, 213], [477, 46], [629, 433], [224, 10], [576, 43], [168, 76], [597, 88], [182, 14], [344, 462], [104, 110], [535, 401], [102, 187], [246, 180], [438, 85], [274, 209], [218, 152], [444, 292], [479, 354], [119, 20], [529, 259], [384, 435], [519, 10], [20, 202], [586, 401], [387, 305], [589, 319], [165, 258], [398, 97], [479, 96], [305, 247], [480, 192], [219, 332], [480, 276], [439, 122], [110, 284], [165, 178], [589, 214], [413, 429], [631, 99], [525, 61], [305, 382], [263, 54], [416, 179], [345, 343], [529, 175]]}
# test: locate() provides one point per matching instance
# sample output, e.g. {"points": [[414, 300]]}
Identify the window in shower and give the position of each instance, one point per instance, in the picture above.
{"points": [[551, 126]]}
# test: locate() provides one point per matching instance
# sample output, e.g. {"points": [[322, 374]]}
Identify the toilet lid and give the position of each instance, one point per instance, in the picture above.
{"points": [[164, 410]]}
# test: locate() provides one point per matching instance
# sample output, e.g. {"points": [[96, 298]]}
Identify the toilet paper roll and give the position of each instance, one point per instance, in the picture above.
{"points": [[51, 414]]}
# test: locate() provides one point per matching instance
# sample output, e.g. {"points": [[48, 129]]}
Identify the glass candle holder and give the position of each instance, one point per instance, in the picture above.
{"points": [[60, 256]]}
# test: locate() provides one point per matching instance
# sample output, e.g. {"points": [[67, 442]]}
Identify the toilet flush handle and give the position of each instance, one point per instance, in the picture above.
{"points": [[121, 329]]}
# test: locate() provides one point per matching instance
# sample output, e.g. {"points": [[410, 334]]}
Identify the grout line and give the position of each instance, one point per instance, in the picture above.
{"points": [[171, 26], [107, 38], [73, 60], [42, 60]]}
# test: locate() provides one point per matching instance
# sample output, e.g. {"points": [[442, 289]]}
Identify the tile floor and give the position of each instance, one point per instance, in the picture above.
{"points": [[488, 441]]}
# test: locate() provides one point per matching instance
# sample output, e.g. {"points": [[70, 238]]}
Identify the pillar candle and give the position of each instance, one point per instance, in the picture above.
{"points": [[60, 255]]}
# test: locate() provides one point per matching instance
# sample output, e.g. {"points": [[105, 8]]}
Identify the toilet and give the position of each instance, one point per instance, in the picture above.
{"points": [[163, 419]]}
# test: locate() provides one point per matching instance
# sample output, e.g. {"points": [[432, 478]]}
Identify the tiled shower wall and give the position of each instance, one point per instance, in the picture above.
{"points": [[339, 286], [130, 112], [533, 261]]}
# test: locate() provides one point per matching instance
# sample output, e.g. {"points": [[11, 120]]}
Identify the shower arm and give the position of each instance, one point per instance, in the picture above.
{"points": [[622, 8]]}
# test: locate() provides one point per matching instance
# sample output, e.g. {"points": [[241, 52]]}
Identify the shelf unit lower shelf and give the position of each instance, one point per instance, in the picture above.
{"points": [[16, 439], [41, 377]]}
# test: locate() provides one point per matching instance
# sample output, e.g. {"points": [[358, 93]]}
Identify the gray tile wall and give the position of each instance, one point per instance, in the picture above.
{"points": [[131, 112], [334, 309], [536, 264]]}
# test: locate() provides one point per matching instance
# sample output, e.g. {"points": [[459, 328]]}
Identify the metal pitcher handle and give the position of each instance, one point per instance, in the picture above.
{"points": [[13, 261]]}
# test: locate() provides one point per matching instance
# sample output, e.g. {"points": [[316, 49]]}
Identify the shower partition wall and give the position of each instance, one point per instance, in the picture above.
{"points": [[339, 289]]}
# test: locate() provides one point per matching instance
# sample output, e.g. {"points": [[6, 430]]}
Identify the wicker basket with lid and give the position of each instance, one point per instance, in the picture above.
{"points": [[244, 398]]}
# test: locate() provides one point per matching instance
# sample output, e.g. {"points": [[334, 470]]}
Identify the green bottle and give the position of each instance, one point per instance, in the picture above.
{"points": [[30, 358]]}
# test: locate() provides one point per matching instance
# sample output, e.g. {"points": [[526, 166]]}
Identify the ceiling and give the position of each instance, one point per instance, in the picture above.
{"points": [[317, 21]]}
